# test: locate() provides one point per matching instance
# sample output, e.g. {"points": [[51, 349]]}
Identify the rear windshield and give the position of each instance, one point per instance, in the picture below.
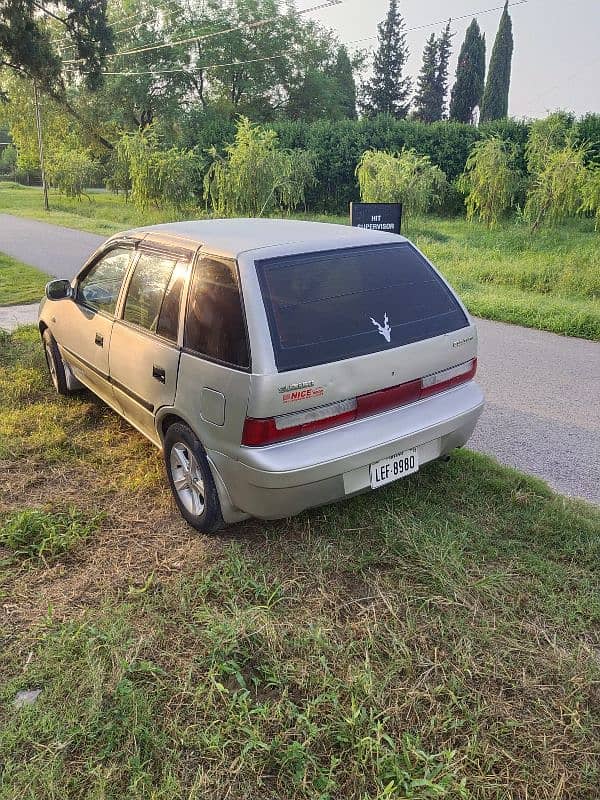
{"points": [[329, 306]]}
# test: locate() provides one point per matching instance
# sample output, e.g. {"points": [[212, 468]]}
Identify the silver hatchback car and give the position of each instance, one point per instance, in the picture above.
{"points": [[279, 365]]}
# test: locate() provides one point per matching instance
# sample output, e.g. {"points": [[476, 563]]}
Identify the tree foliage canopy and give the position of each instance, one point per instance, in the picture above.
{"points": [[495, 96], [470, 75], [426, 107], [389, 90], [27, 44], [72, 170], [432, 83]]}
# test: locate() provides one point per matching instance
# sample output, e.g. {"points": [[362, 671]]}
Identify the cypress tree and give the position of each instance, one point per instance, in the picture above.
{"points": [[388, 92], [470, 74], [426, 100], [495, 96], [444, 47], [346, 87]]}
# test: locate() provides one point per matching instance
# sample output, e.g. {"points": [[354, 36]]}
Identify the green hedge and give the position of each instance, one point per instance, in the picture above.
{"points": [[339, 144]]}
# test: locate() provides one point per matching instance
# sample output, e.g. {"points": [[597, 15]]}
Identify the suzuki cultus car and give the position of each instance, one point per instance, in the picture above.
{"points": [[279, 365]]}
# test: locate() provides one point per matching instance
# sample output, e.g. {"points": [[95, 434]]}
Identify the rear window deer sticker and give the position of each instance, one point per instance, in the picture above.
{"points": [[384, 329]]}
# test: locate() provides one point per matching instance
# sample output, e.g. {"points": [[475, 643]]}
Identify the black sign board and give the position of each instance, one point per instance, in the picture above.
{"points": [[376, 216]]}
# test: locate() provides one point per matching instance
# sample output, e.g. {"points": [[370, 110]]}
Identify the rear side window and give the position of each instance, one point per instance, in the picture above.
{"points": [[325, 307], [154, 294], [215, 325]]}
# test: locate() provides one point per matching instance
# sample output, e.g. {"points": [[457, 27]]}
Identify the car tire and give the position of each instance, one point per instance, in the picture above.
{"points": [[191, 480], [56, 367]]}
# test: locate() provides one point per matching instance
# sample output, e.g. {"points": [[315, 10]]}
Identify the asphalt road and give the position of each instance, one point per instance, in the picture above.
{"points": [[58, 251], [543, 391]]}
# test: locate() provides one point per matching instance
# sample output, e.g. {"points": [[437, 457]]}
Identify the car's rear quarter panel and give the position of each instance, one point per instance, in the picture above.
{"points": [[200, 384]]}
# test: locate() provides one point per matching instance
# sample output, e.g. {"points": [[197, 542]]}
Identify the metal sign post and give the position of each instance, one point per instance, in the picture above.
{"points": [[377, 216]]}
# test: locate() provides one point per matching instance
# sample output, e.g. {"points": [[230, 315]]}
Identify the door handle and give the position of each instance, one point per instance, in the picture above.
{"points": [[99, 340], [158, 373]]}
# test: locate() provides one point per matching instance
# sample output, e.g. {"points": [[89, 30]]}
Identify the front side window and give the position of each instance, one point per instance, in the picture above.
{"points": [[99, 288], [214, 325], [154, 294]]}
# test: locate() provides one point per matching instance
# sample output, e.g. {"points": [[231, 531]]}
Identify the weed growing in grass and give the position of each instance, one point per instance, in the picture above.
{"points": [[42, 534]]}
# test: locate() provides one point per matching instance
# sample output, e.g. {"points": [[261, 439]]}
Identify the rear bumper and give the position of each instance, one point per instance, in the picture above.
{"points": [[284, 479]]}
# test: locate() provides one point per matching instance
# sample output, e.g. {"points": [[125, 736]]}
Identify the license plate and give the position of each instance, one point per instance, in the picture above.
{"points": [[395, 467]]}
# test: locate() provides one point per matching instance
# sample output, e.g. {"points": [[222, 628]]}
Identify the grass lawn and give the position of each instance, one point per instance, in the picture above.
{"points": [[437, 639], [548, 280], [20, 283]]}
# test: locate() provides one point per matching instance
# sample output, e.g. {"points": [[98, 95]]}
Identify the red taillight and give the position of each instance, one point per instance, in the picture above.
{"points": [[300, 423], [259, 432]]}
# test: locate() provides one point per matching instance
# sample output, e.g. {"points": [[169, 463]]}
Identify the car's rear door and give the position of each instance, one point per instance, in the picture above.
{"points": [[352, 322], [145, 344], [83, 326]]}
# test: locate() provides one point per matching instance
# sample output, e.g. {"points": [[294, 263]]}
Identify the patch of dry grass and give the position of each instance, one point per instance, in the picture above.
{"points": [[437, 639]]}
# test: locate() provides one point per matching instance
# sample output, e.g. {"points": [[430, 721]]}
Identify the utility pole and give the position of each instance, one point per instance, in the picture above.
{"points": [[38, 124]]}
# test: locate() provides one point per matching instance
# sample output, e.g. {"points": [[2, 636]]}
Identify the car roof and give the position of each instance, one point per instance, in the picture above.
{"points": [[230, 237]]}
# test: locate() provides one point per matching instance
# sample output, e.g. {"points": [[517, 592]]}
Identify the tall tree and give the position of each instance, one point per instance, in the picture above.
{"points": [[389, 92], [470, 75], [495, 96], [432, 83], [444, 47], [426, 104], [345, 86]]}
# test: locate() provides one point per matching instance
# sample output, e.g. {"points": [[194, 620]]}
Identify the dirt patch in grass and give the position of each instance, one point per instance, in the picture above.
{"points": [[437, 639]]}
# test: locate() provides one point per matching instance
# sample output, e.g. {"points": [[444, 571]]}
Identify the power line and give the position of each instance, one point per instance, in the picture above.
{"points": [[287, 53], [442, 21], [203, 37], [171, 4]]}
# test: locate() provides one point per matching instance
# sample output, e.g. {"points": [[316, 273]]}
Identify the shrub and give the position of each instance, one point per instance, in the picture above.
{"points": [[40, 534], [256, 176], [556, 192], [119, 177], [405, 177], [8, 160], [510, 130], [491, 180], [71, 170], [587, 133], [590, 193], [545, 137], [159, 177]]}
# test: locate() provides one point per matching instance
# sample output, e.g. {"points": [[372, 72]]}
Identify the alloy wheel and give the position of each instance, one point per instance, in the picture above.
{"points": [[187, 478], [51, 364]]}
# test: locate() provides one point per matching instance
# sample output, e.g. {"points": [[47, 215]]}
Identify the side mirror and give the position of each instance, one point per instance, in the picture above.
{"points": [[59, 290]]}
